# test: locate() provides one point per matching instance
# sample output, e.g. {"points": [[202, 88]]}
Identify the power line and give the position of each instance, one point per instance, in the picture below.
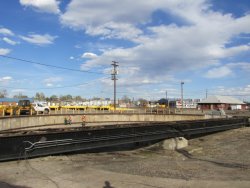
{"points": [[47, 65], [56, 87]]}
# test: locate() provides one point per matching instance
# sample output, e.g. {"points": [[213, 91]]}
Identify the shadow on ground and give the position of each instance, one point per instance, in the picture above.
{"points": [[7, 185]]}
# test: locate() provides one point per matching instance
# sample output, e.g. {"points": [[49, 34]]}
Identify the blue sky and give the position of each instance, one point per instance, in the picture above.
{"points": [[158, 44]]}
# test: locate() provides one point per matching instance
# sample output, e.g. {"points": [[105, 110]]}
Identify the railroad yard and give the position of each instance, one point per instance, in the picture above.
{"points": [[217, 160], [110, 94]]}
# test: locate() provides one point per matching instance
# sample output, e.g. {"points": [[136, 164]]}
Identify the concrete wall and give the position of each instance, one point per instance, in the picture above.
{"points": [[20, 122]]}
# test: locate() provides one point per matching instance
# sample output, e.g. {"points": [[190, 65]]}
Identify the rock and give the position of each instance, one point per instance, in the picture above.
{"points": [[175, 143]]}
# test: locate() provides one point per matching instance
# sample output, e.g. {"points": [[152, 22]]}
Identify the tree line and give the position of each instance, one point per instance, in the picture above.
{"points": [[40, 96]]}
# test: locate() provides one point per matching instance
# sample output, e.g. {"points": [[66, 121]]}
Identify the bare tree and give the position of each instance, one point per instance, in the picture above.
{"points": [[143, 102], [40, 96], [20, 96], [3, 93], [53, 98]]}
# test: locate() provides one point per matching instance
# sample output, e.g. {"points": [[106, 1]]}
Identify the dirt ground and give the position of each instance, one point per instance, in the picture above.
{"points": [[218, 160]]}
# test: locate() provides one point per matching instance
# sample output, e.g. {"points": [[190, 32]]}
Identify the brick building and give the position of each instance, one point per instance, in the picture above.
{"points": [[221, 102]]}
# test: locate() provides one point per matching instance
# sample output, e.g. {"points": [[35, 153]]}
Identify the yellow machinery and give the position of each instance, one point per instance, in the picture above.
{"points": [[24, 107], [2, 107]]}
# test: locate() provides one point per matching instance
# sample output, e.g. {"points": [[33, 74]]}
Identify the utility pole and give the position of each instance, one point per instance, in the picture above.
{"points": [[166, 98], [167, 103], [113, 77], [182, 83], [206, 93]]}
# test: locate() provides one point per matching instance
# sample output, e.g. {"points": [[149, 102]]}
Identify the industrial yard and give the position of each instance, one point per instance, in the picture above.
{"points": [[217, 160], [124, 94]]}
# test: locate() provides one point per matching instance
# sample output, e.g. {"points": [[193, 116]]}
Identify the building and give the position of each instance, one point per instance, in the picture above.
{"points": [[187, 103], [221, 102], [247, 105]]}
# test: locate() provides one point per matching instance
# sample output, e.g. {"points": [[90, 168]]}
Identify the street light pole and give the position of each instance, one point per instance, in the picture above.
{"points": [[182, 83], [113, 77]]}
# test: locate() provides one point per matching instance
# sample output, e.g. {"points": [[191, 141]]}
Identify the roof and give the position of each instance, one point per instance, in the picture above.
{"points": [[220, 100]]}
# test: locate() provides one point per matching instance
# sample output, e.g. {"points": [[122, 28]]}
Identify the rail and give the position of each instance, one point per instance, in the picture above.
{"points": [[39, 143]]}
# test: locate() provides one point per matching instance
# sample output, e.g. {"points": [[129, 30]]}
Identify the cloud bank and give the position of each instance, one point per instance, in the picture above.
{"points": [[200, 43]]}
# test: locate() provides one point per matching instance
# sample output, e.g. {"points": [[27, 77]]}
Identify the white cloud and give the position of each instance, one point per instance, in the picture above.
{"points": [[4, 51], [5, 80], [115, 30], [39, 39], [218, 72], [71, 58], [227, 69], [48, 6], [49, 82], [116, 19], [89, 55], [5, 31], [162, 50], [110, 19], [221, 52], [242, 92], [236, 49], [245, 66], [9, 41], [53, 79], [128, 70]]}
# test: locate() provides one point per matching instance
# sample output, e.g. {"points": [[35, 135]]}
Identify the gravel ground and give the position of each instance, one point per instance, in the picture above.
{"points": [[218, 160]]}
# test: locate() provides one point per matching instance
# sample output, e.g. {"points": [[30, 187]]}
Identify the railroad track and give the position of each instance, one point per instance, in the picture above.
{"points": [[35, 143]]}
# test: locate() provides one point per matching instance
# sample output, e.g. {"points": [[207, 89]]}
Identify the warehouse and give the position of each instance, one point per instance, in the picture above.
{"points": [[221, 102]]}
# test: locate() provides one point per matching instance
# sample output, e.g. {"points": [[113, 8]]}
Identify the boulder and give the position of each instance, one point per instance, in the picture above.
{"points": [[175, 143]]}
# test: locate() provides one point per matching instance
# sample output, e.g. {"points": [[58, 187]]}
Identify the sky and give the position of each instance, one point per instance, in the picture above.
{"points": [[62, 47]]}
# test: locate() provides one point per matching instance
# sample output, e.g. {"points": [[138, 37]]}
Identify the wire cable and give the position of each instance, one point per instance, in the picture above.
{"points": [[47, 65]]}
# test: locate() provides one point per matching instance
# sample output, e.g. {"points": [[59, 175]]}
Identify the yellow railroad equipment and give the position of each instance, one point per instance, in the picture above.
{"points": [[54, 107], [24, 107], [74, 107]]}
